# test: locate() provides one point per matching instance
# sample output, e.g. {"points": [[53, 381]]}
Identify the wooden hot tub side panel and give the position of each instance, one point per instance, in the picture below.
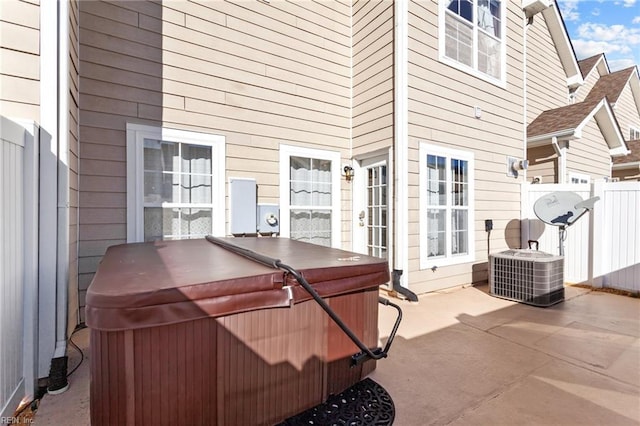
{"points": [[360, 312], [253, 368], [269, 364]]}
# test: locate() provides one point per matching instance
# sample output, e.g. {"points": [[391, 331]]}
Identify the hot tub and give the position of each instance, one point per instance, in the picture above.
{"points": [[186, 332]]}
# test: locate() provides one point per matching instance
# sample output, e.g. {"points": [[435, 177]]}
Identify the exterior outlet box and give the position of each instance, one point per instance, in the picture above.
{"points": [[243, 201], [268, 219]]}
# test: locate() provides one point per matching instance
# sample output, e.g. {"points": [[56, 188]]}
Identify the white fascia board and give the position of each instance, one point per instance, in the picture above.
{"points": [[634, 83], [563, 45], [608, 126], [633, 165], [566, 134]]}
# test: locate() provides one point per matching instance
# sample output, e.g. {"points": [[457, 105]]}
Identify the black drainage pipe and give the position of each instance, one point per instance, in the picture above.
{"points": [[411, 296]]}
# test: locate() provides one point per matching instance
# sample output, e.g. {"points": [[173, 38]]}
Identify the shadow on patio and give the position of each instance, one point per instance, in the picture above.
{"points": [[464, 357]]}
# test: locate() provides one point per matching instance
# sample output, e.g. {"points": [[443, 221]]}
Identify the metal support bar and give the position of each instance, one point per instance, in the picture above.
{"points": [[358, 358]]}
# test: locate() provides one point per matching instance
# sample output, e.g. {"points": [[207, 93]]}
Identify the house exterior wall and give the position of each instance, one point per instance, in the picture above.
{"points": [[259, 74], [627, 112], [590, 154], [441, 112], [543, 162], [20, 59], [372, 76], [546, 78]]}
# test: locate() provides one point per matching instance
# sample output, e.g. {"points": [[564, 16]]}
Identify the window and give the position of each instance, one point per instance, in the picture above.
{"points": [[472, 37], [634, 134], [310, 195], [175, 184], [446, 206], [579, 178]]}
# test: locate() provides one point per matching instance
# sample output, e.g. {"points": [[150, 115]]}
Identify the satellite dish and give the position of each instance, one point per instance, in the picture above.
{"points": [[562, 209], [557, 208]]}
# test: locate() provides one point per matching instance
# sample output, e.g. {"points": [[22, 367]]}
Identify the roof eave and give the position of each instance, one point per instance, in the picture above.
{"points": [[563, 45], [625, 166], [547, 138]]}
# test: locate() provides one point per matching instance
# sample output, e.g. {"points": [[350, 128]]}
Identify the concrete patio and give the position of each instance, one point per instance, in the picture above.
{"points": [[463, 357]]}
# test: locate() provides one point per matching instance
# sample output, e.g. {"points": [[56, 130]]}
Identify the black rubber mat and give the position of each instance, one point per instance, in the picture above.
{"points": [[365, 403]]}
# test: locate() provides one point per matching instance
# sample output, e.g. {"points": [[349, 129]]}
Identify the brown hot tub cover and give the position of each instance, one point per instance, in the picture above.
{"points": [[150, 284], [185, 332]]}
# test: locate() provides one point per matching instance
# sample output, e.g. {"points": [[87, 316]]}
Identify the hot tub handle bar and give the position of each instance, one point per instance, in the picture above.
{"points": [[366, 353]]}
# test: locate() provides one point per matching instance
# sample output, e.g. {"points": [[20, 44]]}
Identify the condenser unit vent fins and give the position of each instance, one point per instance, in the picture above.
{"points": [[527, 276]]}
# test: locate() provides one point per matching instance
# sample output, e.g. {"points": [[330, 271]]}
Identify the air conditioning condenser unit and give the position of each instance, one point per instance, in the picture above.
{"points": [[527, 276]]}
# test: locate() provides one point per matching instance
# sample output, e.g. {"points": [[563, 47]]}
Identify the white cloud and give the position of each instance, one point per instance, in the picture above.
{"points": [[620, 64], [636, 20], [595, 12], [629, 3], [618, 42], [616, 34], [569, 10]]}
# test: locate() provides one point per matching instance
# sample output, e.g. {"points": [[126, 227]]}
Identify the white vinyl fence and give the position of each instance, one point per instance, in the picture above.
{"points": [[603, 247], [18, 263]]}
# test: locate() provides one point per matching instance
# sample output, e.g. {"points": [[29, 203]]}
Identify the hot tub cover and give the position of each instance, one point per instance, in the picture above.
{"points": [[149, 284]]}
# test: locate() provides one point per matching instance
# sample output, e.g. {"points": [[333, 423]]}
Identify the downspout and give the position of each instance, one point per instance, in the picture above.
{"points": [[401, 143], [524, 230], [561, 151], [527, 23], [58, 374]]}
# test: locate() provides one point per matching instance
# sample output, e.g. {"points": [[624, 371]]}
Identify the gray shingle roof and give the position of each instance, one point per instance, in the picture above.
{"points": [[558, 119], [586, 65], [611, 85]]}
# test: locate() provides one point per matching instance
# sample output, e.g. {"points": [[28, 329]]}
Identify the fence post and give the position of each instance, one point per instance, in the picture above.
{"points": [[597, 249], [524, 214]]}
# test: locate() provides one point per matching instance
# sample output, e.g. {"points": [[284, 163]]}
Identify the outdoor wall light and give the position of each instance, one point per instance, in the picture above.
{"points": [[348, 173]]}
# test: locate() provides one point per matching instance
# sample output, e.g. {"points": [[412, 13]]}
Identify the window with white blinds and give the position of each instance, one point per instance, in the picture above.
{"points": [[309, 194]]}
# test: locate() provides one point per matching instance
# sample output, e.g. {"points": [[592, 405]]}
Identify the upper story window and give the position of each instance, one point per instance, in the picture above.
{"points": [[472, 37], [634, 133], [175, 184]]}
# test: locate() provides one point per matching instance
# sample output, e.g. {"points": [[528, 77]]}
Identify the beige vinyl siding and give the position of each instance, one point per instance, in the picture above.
{"points": [[546, 78], [627, 112], [441, 112], [20, 59], [258, 73], [590, 154], [372, 76], [543, 162]]}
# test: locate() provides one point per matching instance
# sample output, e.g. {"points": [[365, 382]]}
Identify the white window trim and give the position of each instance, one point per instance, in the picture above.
{"points": [[287, 151], [634, 129], [136, 133], [425, 261], [579, 176], [501, 82]]}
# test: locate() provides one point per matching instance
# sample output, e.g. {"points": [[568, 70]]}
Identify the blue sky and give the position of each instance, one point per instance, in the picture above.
{"points": [[609, 26]]}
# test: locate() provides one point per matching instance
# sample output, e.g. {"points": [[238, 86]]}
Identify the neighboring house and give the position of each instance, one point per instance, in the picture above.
{"points": [[571, 136], [627, 168], [590, 129], [163, 104]]}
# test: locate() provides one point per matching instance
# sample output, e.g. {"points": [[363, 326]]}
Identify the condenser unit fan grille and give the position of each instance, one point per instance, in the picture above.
{"points": [[527, 276]]}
